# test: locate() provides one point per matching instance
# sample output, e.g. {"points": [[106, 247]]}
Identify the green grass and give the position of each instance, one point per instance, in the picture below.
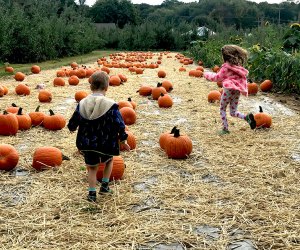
{"points": [[51, 64]]}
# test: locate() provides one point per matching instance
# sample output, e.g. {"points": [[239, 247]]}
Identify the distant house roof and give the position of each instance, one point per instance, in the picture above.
{"points": [[101, 26]]}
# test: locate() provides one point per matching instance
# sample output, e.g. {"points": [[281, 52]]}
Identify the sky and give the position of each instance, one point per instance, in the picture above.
{"points": [[158, 2]]}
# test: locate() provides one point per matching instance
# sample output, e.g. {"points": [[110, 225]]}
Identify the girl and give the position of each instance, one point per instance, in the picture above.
{"points": [[233, 76]]}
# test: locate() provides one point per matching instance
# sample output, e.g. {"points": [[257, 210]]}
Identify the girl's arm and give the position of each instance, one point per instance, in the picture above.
{"points": [[74, 121], [215, 77]]}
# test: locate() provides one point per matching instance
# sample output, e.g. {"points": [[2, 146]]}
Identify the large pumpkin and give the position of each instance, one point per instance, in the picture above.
{"points": [[79, 95], [8, 124], [164, 137], [73, 80], [9, 157], [59, 81], [19, 76], [47, 157], [37, 117], [165, 101], [114, 81], [159, 89], [35, 69], [24, 120], [252, 88], [45, 95], [145, 90], [54, 121], [178, 146], [117, 169], [128, 115], [167, 85], [213, 96], [262, 119], [266, 85], [22, 89]]}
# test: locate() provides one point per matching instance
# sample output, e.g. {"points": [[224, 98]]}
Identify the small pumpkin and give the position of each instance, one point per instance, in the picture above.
{"points": [[139, 71], [117, 172], [54, 121], [128, 115], [81, 73], [213, 96], [159, 89], [161, 74], [167, 85], [22, 89], [262, 119], [59, 81], [131, 141], [145, 90], [252, 88], [79, 95], [215, 68], [47, 157], [74, 65], [165, 101], [266, 85], [45, 95], [178, 146], [19, 76], [5, 90], [164, 137], [107, 70], [9, 157], [123, 104], [9, 69], [122, 77], [1, 91], [60, 73], [35, 69], [182, 69], [195, 73], [24, 120], [37, 117], [73, 80], [8, 124], [133, 103], [12, 109], [114, 81]]}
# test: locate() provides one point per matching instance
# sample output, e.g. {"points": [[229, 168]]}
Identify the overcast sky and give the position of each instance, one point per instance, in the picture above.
{"points": [[158, 2]]}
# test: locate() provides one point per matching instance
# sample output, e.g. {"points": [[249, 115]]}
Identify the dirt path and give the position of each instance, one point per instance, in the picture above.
{"points": [[237, 190]]}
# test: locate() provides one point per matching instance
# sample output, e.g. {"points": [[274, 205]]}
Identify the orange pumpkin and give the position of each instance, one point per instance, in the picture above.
{"points": [[215, 68], [61, 73], [9, 157], [165, 101], [123, 104], [54, 121], [128, 115], [9, 69], [74, 65], [133, 103], [131, 141], [161, 74], [139, 71], [114, 81], [37, 117], [167, 85], [117, 169], [145, 90], [73, 80], [266, 85], [182, 69], [22, 89], [157, 91], [45, 95], [19, 76], [47, 157], [58, 81], [122, 77], [213, 96], [1, 91], [13, 109], [79, 95], [107, 70], [35, 69], [252, 88], [8, 124], [262, 119], [5, 89], [81, 73], [24, 120], [164, 137], [195, 73]]}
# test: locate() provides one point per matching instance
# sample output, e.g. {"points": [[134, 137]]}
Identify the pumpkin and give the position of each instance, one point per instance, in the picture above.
{"points": [[1, 91], [35, 69], [73, 80], [145, 90], [60, 73], [161, 74], [19, 76], [215, 68], [47, 157], [139, 71], [74, 65], [81, 73], [133, 103], [200, 63], [266, 85], [5, 90], [8, 124], [252, 88], [58, 81], [13, 109], [107, 70], [114, 81], [45, 95], [182, 69], [37, 117], [22, 89], [165, 101], [24, 120], [220, 84], [9, 157], [195, 73], [89, 72], [164, 137], [79, 95], [128, 115], [54, 121], [262, 119], [157, 91], [178, 146], [9, 69], [122, 77], [131, 141], [117, 169], [213, 96], [123, 104], [167, 85]]}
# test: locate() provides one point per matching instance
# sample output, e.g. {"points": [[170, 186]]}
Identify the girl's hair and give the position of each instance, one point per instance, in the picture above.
{"points": [[99, 80], [234, 54]]}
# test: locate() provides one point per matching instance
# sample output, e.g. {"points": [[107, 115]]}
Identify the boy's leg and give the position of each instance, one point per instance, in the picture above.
{"points": [[225, 99], [92, 180], [106, 175]]}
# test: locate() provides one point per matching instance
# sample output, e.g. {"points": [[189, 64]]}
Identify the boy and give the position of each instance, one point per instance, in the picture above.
{"points": [[100, 128]]}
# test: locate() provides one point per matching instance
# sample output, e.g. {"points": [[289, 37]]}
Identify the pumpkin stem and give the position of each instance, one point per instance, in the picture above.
{"points": [[129, 99], [260, 109], [5, 112], [14, 105], [161, 94], [173, 130], [51, 112], [65, 158], [20, 111], [250, 80], [37, 108], [159, 84], [176, 133]]}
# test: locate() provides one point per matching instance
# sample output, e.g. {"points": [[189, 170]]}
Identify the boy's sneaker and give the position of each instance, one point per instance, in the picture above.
{"points": [[104, 189], [92, 196], [224, 132], [250, 119]]}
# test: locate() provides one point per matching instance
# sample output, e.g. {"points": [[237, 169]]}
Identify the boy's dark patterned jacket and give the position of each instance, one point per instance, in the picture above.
{"points": [[100, 123]]}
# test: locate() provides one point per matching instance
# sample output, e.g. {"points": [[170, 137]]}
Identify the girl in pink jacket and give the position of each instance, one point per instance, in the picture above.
{"points": [[234, 79]]}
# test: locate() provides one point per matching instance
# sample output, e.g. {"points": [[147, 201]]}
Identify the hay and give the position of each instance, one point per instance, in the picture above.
{"points": [[240, 186]]}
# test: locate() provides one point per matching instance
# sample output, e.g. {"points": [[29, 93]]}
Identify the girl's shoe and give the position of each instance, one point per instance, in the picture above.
{"points": [[224, 132], [251, 121]]}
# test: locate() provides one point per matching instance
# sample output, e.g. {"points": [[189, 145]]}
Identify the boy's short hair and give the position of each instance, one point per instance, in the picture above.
{"points": [[234, 54], [99, 80]]}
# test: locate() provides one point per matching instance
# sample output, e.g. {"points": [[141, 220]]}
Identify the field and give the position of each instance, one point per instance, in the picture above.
{"points": [[237, 191]]}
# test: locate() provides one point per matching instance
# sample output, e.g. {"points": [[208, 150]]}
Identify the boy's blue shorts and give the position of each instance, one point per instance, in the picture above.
{"points": [[93, 158]]}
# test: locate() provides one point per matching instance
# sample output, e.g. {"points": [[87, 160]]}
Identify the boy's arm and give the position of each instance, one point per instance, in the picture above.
{"points": [[74, 121], [215, 77], [120, 122]]}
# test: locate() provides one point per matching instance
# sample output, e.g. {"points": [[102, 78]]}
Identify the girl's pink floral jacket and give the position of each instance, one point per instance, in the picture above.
{"points": [[232, 77]]}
